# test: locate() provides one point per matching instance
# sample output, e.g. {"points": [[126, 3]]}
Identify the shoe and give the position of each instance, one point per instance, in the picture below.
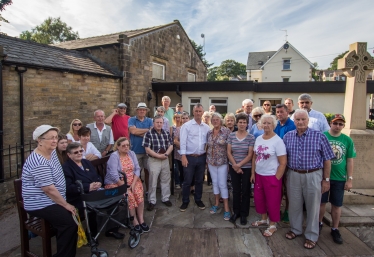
{"points": [[150, 207], [213, 209], [226, 215], [183, 207], [336, 236], [234, 217], [285, 218], [243, 220], [138, 229], [144, 227], [320, 227], [116, 235], [168, 203], [177, 186], [200, 205]]}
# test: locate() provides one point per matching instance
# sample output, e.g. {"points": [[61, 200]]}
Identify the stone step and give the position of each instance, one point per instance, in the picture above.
{"points": [[352, 198]]}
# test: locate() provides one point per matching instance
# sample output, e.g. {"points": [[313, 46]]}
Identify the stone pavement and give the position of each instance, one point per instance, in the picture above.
{"points": [[198, 233]]}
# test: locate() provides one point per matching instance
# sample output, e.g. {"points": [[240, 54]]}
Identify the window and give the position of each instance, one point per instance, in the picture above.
{"points": [[286, 79], [158, 71], [273, 103], [193, 102], [287, 64], [220, 104], [191, 77]]}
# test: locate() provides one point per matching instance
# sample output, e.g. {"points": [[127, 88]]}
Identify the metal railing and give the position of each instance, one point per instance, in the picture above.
{"points": [[11, 166]]}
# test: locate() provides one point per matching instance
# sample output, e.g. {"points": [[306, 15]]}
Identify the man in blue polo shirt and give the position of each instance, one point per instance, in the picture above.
{"points": [[138, 126]]}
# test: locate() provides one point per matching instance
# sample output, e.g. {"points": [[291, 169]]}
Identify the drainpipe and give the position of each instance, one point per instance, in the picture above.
{"points": [[1, 124], [20, 71]]}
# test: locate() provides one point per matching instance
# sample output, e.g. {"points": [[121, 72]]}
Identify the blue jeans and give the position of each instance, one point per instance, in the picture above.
{"points": [[195, 167]]}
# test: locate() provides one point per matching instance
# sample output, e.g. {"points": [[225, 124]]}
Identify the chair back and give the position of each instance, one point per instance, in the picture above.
{"points": [[100, 166]]}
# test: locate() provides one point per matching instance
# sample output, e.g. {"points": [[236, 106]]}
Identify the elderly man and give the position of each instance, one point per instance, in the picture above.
{"points": [[138, 126], [247, 106], [101, 134], [317, 120], [289, 103], [169, 112], [192, 149], [309, 154], [212, 108], [158, 145], [341, 174], [119, 121]]}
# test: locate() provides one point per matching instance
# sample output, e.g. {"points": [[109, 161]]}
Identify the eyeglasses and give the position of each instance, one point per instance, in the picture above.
{"points": [[306, 102], [266, 104], [338, 124], [52, 138], [257, 115], [77, 152], [77, 124]]}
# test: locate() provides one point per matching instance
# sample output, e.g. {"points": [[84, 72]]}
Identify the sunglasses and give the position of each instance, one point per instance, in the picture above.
{"points": [[338, 123], [257, 115], [77, 124], [77, 152], [266, 104]]}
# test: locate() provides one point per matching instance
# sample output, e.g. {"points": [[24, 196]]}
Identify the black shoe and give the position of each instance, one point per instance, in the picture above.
{"points": [[150, 207], [144, 227], [116, 235], [200, 205], [183, 207], [209, 183], [138, 229], [320, 227], [243, 220], [336, 236], [168, 203], [234, 217]]}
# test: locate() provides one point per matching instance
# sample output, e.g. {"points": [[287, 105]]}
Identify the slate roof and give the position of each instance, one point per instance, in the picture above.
{"points": [[37, 55], [108, 39], [254, 59]]}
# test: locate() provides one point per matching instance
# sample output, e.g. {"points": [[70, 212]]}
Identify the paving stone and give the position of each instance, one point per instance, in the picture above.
{"points": [[345, 211], [365, 234], [363, 210]]}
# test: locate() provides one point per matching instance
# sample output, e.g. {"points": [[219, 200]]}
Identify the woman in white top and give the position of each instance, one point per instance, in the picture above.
{"points": [[90, 151], [72, 135], [269, 163]]}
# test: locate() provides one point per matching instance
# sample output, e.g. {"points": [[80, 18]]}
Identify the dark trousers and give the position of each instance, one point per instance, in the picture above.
{"points": [[63, 222], [179, 172], [195, 168], [241, 188]]}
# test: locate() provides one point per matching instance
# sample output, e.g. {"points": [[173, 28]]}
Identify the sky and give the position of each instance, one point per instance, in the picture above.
{"points": [[319, 29]]}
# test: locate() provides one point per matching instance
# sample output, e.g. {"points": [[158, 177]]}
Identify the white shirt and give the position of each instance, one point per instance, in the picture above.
{"points": [[193, 137], [70, 137], [317, 121], [111, 138], [91, 149]]}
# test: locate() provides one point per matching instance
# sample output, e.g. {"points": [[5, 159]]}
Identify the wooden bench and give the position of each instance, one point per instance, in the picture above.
{"points": [[38, 226]]}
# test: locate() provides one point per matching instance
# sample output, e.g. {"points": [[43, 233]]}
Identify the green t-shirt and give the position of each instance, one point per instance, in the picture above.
{"points": [[169, 115], [343, 148]]}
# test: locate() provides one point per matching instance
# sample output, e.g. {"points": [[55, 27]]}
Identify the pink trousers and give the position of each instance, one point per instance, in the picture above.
{"points": [[267, 196]]}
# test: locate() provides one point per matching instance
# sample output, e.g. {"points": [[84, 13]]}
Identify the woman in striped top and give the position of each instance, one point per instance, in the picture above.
{"points": [[239, 151], [43, 190]]}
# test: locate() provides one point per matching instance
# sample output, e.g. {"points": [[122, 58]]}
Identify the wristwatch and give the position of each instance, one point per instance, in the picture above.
{"points": [[327, 179], [350, 177]]}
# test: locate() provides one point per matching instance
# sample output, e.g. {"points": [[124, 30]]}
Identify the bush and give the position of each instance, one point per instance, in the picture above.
{"points": [[369, 124], [328, 116]]}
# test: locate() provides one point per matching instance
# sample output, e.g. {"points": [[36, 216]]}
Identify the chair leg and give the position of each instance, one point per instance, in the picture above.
{"points": [[25, 246], [47, 246]]}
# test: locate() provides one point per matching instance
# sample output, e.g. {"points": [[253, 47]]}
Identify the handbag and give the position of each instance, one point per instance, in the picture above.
{"points": [[82, 239]]}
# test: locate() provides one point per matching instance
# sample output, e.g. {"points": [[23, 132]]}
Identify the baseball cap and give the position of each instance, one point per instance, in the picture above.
{"points": [[122, 105], [337, 117], [41, 130]]}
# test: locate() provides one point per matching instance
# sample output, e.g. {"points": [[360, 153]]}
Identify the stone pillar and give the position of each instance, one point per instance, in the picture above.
{"points": [[124, 64]]}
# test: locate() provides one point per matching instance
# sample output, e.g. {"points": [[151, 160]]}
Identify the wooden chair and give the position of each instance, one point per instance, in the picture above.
{"points": [[36, 225], [100, 165]]}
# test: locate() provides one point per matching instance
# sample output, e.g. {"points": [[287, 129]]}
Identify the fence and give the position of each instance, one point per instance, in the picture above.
{"points": [[11, 166]]}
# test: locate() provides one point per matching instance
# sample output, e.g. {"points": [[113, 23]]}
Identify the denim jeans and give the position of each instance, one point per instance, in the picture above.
{"points": [[195, 168]]}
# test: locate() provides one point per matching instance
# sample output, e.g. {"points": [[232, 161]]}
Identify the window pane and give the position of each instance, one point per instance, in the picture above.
{"points": [[221, 109], [157, 71], [195, 100], [218, 101], [191, 77], [286, 64]]}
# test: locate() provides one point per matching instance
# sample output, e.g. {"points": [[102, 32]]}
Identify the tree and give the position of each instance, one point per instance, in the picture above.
{"points": [[200, 52], [52, 30], [212, 74], [315, 76], [231, 68], [334, 63], [4, 3]]}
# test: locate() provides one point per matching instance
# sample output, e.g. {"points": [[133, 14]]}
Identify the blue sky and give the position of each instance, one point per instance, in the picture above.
{"points": [[320, 30]]}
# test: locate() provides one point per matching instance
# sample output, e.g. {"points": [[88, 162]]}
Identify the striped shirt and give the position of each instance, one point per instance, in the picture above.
{"points": [[307, 151], [39, 172], [157, 141], [240, 148]]}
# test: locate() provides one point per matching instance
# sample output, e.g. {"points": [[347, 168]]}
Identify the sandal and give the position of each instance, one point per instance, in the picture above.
{"points": [[268, 233], [291, 235], [260, 223], [213, 209], [309, 244], [226, 215]]}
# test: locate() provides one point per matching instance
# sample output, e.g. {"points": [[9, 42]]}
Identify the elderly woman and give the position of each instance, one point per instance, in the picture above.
{"points": [[72, 135], [90, 152], [124, 160], [61, 148], [161, 111], [229, 122], [239, 151], [43, 190], [266, 106], [256, 129], [177, 122], [217, 162], [268, 165], [206, 118], [77, 168]]}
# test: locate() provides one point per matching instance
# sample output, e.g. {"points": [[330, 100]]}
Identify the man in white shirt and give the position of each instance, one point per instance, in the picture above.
{"points": [[317, 120], [101, 134], [192, 148]]}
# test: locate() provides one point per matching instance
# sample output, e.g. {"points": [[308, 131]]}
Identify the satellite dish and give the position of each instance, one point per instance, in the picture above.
{"points": [[286, 46]]}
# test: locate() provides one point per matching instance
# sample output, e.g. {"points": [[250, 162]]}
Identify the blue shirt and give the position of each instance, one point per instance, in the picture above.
{"points": [[255, 131], [136, 141], [282, 130]]}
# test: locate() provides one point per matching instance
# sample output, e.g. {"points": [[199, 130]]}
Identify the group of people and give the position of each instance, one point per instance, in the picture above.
{"points": [[291, 154]]}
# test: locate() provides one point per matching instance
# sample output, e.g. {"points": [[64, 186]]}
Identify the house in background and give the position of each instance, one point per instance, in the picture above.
{"points": [[332, 75], [285, 65]]}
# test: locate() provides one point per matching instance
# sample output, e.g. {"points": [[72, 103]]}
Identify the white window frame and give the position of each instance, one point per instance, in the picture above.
{"points": [[194, 75], [191, 105], [163, 70], [285, 63], [219, 104]]}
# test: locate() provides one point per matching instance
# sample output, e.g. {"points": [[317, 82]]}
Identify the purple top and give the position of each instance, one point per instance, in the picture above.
{"points": [[217, 147], [114, 166], [307, 151], [176, 133], [240, 147]]}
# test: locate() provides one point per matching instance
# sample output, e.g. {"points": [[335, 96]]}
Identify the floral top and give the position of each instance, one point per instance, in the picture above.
{"points": [[217, 147], [176, 133]]}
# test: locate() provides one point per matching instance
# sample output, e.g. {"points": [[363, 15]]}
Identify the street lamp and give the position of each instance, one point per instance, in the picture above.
{"points": [[203, 36]]}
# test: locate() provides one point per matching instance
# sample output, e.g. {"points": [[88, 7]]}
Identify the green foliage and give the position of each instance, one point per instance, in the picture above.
{"points": [[231, 68], [200, 51], [328, 116], [4, 3], [334, 63], [314, 74], [369, 124], [212, 74], [51, 31]]}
